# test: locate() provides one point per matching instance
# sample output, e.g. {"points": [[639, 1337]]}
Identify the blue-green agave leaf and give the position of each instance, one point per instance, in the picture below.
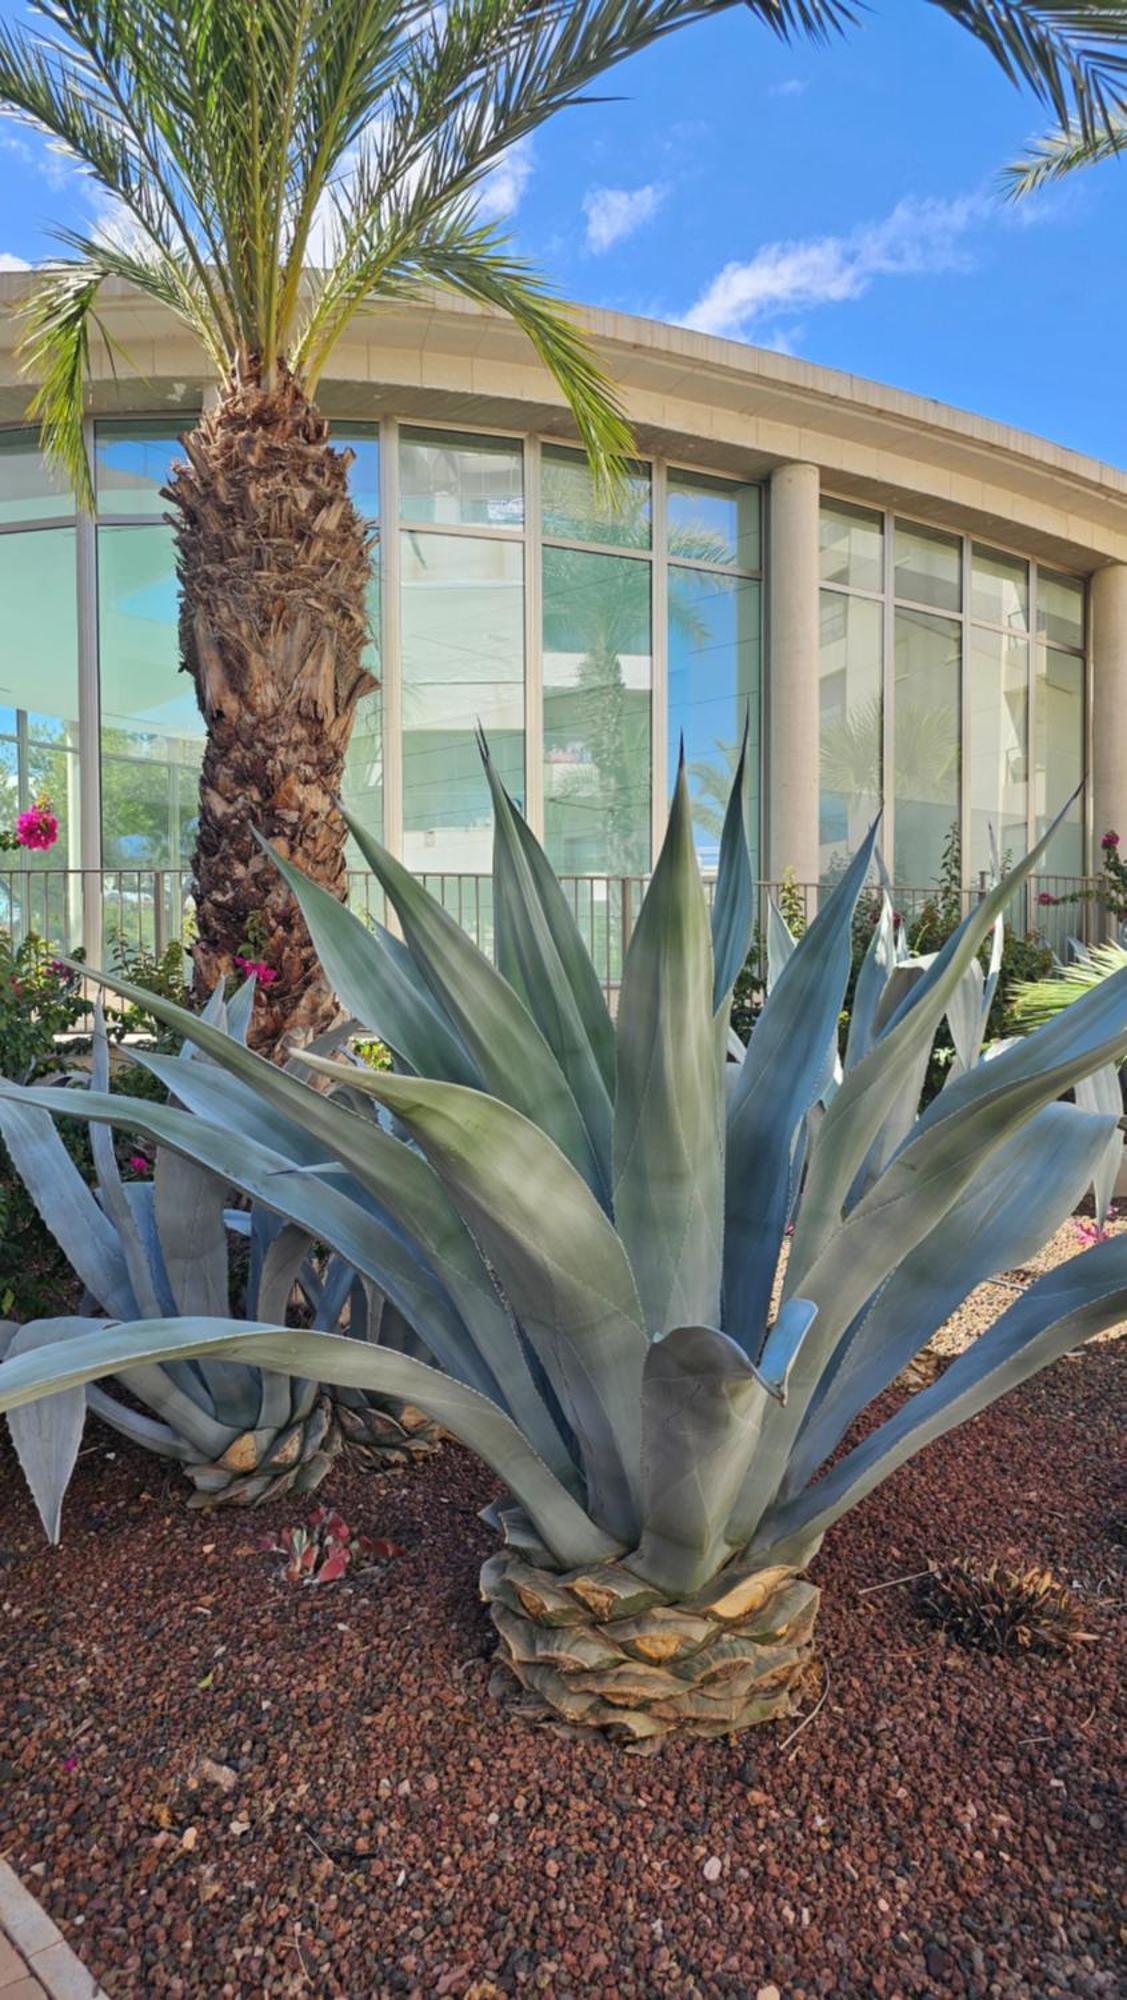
{"points": [[560, 1521], [1103, 1091], [669, 1098], [47, 1434], [65, 1204], [733, 903], [542, 956]]}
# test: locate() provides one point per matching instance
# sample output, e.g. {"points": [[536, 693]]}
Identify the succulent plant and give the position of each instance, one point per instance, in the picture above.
{"points": [[242, 1434], [577, 1224], [993, 1609]]}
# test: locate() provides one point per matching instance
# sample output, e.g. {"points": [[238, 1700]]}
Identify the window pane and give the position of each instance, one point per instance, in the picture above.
{"points": [[850, 734], [39, 727], [596, 713], [1060, 609], [572, 508], [363, 441], [152, 730], [131, 464], [710, 520], [463, 661], [928, 567], [457, 479], [925, 725], [998, 738], [713, 685], [851, 543], [999, 589], [29, 491], [1058, 707]]}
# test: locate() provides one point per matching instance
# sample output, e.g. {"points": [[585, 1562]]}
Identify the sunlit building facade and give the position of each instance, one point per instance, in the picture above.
{"points": [[909, 608]]}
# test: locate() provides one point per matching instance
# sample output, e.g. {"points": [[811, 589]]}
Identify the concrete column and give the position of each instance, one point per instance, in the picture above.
{"points": [[792, 674], [1108, 610]]}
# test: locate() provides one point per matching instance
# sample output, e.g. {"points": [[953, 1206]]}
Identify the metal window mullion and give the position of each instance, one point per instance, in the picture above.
{"points": [[888, 698], [659, 658], [391, 637], [533, 642], [89, 719], [963, 729]]}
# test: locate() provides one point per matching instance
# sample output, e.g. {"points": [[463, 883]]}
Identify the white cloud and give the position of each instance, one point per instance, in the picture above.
{"points": [[919, 236], [791, 86], [502, 190], [615, 213], [10, 263]]}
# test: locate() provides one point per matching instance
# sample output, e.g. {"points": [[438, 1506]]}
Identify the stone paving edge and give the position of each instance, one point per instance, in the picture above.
{"points": [[39, 1941]]}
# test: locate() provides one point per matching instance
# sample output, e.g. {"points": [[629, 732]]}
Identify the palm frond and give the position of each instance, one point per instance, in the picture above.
{"points": [[1036, 1001], [1061, 153], [1072, 54]]}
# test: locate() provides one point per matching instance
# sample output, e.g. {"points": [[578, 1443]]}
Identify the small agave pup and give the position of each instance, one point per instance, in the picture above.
{"points": [[581, 1219]]}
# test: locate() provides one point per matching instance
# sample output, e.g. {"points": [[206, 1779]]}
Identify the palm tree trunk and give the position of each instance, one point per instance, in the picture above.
{"points": [[274, 563]]}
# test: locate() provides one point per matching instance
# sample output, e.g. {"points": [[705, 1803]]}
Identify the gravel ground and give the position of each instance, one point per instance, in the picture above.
{"points": [[372, 1823]]}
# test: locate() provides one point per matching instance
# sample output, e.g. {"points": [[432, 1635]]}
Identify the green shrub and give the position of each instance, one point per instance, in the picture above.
{"points": [[40, 1003]]}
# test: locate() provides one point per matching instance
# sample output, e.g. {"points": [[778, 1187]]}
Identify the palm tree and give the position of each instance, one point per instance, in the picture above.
{"points": [[276, 164]]}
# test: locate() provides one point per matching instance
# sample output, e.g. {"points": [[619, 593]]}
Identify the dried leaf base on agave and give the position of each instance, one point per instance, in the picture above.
{"points": [[574, 1226]]}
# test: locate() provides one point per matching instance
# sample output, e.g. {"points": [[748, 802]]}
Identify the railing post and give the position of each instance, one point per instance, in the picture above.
{"points": [[159, 927]]}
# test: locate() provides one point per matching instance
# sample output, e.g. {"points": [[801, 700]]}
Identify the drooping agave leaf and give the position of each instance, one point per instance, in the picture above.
{"points": [[871, 1090], [65, 1204], [1102, 1091], [542, 956], [149, 1432], [702, 1406], [561, 1522], [1021, 1194], [668, 1107], [374, 977], [1058, 1312], [511, 1055], [560, 1262], [47, 1434], [780, 1078], [733, 903], [111, 1189]]}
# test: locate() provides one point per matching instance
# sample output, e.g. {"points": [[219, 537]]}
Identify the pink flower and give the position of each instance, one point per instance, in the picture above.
{"points": [[1110, 840], [1045, 897], [139, 1163], [1089, 1232], [257, 968], [38, 826]]}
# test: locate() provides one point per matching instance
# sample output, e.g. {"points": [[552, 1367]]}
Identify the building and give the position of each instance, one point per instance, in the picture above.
{"points": [[908, 603]]}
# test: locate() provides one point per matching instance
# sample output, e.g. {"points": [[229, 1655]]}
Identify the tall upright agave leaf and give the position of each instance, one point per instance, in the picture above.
{"points": [[582, 1228], [241, 1433]]}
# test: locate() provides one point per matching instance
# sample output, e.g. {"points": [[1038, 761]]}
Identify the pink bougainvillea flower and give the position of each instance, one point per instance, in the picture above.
{"points": [[1089, 1232], [1045, 897], [1110, 840], [139, 1163], [258, 969], [38, 826]]}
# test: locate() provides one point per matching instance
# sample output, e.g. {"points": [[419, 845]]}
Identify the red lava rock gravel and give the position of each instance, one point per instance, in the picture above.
{"points": [[369, 1822]]}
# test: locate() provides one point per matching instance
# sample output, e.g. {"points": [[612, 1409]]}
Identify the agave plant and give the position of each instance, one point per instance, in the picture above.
{"points": [[242, 1433], [581, 1219]]}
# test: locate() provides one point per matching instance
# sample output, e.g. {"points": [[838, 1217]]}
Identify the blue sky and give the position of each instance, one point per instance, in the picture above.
{"points": [[836, 203]]}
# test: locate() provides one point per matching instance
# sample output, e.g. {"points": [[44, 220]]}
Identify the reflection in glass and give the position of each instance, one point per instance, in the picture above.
{"points": [[457, 479], [132, 462], [849, 724], [597, 677], [39, 729], [363, 441], [29, 489], [851, 546], [573, 510], [711, 520], [997, 737], [1058, 709], [1060, 609], [363, 765], [999, 589], [925, 743], [928, 566], [463, 662], [714, 650], [152, 730]]}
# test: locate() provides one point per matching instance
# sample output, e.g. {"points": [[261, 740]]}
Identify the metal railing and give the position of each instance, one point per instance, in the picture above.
{"points": [[126, 910]]}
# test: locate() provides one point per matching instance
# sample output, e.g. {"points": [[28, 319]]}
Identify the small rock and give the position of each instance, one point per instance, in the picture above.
{"points": [[713, 1868], [238, 1827], [768, 1993], [189, 1838], [217, 1774]]}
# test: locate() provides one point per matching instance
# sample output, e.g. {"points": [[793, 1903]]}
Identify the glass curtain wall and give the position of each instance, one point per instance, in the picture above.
{"points": [[952, 685]]}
